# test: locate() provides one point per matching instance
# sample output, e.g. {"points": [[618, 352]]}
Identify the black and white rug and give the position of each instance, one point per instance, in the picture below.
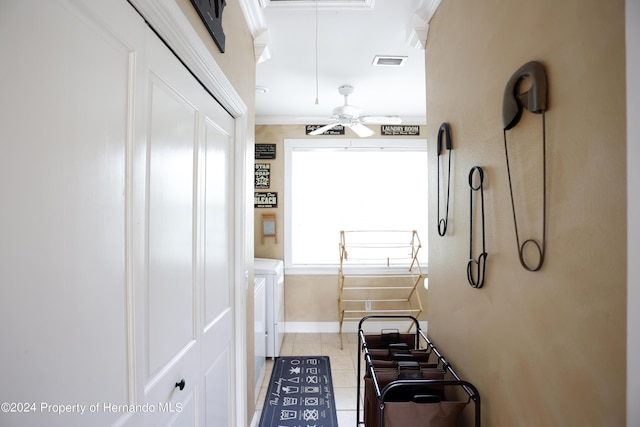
{"points": [[300, 394]]}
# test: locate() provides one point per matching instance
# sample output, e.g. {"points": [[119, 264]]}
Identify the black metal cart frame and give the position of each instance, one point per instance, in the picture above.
{"points": [[381, 394]]}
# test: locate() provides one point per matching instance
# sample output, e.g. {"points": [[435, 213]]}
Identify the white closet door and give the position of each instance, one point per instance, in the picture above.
{"points": [[66, 81], [172, 352], [116, 223], [217, 355], [189, 219]]}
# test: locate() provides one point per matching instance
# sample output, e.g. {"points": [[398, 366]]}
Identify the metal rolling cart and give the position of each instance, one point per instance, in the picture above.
{"points": [[403, 387]]}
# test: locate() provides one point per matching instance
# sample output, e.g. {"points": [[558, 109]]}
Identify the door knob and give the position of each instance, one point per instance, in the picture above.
{"points": [[180, 385]]}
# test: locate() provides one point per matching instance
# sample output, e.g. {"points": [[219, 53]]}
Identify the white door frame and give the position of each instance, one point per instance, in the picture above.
{"points": [[632, 17], [166, 18]]}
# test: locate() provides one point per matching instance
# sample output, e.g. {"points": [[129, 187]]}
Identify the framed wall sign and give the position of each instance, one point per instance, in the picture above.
{"points": [[400, 130], [336, 130], [265, 151], [265, 200], [210, 12], [262, 175]]}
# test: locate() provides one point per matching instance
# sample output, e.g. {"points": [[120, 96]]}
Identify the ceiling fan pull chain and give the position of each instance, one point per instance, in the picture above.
{"points": [[317, 52]]}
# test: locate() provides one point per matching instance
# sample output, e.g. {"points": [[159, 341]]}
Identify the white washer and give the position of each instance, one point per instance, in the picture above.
{"points": [[260, 344], [273, 272]]}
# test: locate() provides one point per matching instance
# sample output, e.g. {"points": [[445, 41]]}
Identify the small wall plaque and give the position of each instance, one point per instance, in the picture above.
{"points": [[265, 200], [263, 175], [336, 130], [265, 151]]}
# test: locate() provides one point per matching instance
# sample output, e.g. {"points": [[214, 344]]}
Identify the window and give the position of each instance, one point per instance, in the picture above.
{"points": [[334, 185]]}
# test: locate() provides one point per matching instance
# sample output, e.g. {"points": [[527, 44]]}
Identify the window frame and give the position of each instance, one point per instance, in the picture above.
{"points": [[401, 144]]}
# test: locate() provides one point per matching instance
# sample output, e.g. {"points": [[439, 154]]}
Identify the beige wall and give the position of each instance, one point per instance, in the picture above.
{"points": [[544, 348], [307, 298]]}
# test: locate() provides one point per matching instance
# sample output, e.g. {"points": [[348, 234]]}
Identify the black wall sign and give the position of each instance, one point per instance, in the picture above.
{"points": [[400, 130], [263, 175], [336, 130], [265, 200], [265, 151], [210, 12]]}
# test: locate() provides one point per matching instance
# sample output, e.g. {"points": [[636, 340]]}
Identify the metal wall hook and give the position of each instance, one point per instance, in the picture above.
{"points": [[481, 262], [446, 131]]}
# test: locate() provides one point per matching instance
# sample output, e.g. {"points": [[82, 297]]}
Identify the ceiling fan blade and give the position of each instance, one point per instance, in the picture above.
{"points": [[382, 120], [361, 130], [323, 129]]}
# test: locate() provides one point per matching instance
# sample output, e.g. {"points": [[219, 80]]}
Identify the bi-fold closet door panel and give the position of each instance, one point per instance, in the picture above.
{"points": [[188, 216], [218, 359], [115, 176], [64, 317]]}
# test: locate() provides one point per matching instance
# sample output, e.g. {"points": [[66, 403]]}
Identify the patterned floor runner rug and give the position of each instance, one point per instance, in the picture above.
{"points": [[300, 393]]}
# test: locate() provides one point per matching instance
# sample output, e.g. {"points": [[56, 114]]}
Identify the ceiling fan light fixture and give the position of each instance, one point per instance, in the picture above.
{"points": [[388, 61], [346, 111]]}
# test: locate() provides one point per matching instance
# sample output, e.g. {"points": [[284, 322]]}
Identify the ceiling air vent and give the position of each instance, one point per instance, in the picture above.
{"points": [[389, 61]]}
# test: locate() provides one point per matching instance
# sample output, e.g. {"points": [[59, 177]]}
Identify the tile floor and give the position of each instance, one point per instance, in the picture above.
{"points": [[344, 367]]}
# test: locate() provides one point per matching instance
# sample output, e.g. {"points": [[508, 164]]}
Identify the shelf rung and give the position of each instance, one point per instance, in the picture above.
{"points": [[373, 288], [413, 310], [379, 276], [375, 300]]}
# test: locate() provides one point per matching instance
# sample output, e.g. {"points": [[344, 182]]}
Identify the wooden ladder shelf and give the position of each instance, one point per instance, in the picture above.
{"points": [[379, 274]]}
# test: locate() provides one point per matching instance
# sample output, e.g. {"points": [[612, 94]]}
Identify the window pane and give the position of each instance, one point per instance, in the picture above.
{"points": [[354, 189]]}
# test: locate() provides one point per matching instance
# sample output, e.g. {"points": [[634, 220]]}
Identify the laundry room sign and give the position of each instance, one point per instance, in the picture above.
{"points": [[400, 130]]}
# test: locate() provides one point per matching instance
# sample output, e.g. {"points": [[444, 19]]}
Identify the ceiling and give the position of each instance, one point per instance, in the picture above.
{"points": [[311, 48]]}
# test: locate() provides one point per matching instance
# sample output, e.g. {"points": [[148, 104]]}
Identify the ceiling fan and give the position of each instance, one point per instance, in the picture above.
{"points": [[349, 116]]}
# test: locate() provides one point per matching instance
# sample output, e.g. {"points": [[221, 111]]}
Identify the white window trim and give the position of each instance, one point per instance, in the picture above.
{"points": [[349, 144]]}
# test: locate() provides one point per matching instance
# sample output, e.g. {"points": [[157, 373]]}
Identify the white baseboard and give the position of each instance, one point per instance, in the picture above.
{"points": [[348, 327], [255, 420]]}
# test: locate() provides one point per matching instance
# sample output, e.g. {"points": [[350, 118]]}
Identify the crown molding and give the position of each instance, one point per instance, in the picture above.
{"points": [[166, 18], [254, 16], [321, 120], [418, 30]]}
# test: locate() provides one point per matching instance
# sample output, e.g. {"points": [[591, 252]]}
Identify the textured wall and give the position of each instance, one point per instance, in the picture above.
{"points": [[545, 348]]}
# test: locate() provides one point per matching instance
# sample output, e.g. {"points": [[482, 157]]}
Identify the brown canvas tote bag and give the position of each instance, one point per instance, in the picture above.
{"points": [[411, 414], [384, 377]]}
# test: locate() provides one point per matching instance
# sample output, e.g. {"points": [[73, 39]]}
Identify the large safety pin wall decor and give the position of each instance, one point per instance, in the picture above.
{"points": [[535, 101], [443, 221], [480, 263]]}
